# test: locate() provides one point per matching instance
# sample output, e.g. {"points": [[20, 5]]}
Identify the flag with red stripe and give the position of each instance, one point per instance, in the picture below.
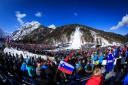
{"points": [[66, 67]]}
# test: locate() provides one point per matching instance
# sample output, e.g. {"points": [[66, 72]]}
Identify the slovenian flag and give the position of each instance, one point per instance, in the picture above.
{"points": [[65, 67]]}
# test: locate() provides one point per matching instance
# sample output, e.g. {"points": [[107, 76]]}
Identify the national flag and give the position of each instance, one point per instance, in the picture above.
{"points": [[65, 67]]}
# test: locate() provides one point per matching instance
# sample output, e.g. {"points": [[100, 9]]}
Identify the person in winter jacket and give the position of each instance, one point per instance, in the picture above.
{"points": [[101, 57], [38, 70], [89, 67], [116, 52], [95, 59], [31, 71], [110, 61], [23, 67], [96, 78]]}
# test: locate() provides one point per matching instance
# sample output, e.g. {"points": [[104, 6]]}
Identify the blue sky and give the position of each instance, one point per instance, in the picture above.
{"points": [[100, 14]]}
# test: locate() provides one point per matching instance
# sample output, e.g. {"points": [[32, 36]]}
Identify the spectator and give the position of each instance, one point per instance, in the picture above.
{"points": [[96, 78], [110, 61], [31, 70], [38, 69], [24, 67]]}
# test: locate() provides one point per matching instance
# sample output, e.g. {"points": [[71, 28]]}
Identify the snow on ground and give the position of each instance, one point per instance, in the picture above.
{"points": [[13, 51]]}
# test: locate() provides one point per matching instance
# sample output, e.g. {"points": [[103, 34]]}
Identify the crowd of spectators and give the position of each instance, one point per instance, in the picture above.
{"points": [[89, 67]]}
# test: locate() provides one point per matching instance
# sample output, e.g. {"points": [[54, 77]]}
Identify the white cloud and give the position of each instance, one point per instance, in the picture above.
{"points": [[52, 26], [122, 23], [75, 14], [19, 17], [38, 14]]}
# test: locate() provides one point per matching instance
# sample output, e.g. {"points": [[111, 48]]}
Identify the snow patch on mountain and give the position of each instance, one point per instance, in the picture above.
{"points": [[25, 29], [98, 39], [102, 41], [52, 26]]}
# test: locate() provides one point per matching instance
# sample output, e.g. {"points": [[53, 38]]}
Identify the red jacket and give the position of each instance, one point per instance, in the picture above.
{"points": [[95, 80]]}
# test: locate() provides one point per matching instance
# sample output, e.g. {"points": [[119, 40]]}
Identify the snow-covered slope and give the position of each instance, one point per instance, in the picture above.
{"points": [[25, 29], [76, 41], [98, 39]]}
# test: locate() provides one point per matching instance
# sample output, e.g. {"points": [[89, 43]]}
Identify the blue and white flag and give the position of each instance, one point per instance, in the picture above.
{"points": [[65, 67]]}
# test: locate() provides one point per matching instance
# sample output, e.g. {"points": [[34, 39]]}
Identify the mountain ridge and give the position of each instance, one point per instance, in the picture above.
{"points": [[63, 34]]}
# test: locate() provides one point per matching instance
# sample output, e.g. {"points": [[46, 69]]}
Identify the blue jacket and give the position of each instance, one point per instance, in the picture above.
{"points": [[110, 58], [31, 71], [110, 62], [23, 67], [101, 59], [95, 57], [125, 80]]}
